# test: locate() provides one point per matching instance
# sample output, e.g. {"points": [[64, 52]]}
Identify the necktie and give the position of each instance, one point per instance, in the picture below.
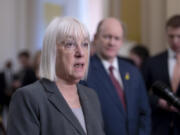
{"points": [[117, 86], [176, 74]]}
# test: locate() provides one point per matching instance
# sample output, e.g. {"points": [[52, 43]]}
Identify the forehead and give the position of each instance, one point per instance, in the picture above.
{"points": [[76, 35], [76, 38], [173, 30], [111, 27]]}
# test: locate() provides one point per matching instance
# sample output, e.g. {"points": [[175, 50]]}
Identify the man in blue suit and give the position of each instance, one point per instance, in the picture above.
{"points": [[118, 84], [165, 120]]}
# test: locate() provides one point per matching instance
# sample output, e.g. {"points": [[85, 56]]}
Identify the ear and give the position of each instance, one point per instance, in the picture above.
{"points": [[96, 37]]}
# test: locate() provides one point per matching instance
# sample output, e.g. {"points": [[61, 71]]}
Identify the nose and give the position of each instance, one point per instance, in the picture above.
{"points": [[79, 52], [176, 39], [111, 41]]}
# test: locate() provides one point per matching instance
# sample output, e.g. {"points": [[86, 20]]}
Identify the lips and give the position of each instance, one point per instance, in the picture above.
{"points": [[79, 66]]}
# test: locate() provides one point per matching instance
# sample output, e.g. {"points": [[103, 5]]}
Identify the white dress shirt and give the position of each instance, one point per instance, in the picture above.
{"points": [[171, 62], [115, 65]]}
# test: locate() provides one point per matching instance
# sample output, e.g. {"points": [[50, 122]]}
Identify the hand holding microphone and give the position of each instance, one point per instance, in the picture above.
{"points": [[166, 106], [160, 89]]}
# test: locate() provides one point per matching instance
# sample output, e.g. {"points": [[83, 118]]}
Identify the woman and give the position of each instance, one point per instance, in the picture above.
{"points": [[57, 104]]}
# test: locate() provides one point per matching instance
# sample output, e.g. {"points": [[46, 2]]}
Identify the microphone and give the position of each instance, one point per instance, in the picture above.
{"points": [[162, 90]]}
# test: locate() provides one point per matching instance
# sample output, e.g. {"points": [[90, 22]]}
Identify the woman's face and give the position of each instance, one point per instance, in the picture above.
{"points": [[72, 59]]}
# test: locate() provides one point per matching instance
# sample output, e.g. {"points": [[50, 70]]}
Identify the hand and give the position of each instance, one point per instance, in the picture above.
{"points": [[173, 109], [163, 104]]}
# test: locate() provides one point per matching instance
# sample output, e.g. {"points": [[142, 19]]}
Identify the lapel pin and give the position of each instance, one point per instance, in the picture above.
{"points": [[127, 76]]}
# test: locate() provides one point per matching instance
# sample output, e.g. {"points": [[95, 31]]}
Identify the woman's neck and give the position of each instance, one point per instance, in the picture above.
{"points": [[69, 92]]}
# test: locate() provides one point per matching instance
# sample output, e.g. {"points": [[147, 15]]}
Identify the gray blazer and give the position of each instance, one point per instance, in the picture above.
{"points": [[40, 109]]}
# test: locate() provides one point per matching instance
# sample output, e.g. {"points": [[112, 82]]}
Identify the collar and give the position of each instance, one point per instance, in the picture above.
{"points": [[171, 54], [107, 64]]}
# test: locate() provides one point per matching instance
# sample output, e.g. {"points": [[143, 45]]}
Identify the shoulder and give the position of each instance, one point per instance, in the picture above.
{"points": [[156, 61], [94, 59], [33, 88], [87, 91], [158, 57], [126, 59], [95, 64], [31, 92], [129, 66], [89, 94], [27, 99]]}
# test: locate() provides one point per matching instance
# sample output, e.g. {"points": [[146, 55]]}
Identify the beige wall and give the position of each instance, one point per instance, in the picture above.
{"points": [[173, 7], [12, 26], [145, 21], [153, 21]]}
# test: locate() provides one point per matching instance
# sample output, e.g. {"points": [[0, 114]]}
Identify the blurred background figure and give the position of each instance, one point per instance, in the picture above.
{"points": [[118, 83], [165, 67], [26, 74], [139, 54]]}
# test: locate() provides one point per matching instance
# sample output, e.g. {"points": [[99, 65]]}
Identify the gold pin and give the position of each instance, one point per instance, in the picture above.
{"points": [[127, 76]]}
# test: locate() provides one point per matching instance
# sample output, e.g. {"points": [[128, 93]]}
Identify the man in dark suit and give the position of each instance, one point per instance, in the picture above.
{"points": [[118, 84], [161, 67]]}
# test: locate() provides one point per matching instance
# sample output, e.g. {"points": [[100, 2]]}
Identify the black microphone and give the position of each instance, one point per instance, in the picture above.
{"points": [[162, 90]]}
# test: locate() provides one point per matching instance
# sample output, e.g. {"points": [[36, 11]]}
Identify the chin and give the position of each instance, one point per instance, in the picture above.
{"points": [[109, 57], [78, 77], [110, 54], [76, 81]]}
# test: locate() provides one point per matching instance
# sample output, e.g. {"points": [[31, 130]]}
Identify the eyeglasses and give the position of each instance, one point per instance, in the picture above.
{"points": [[72, 45]]}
